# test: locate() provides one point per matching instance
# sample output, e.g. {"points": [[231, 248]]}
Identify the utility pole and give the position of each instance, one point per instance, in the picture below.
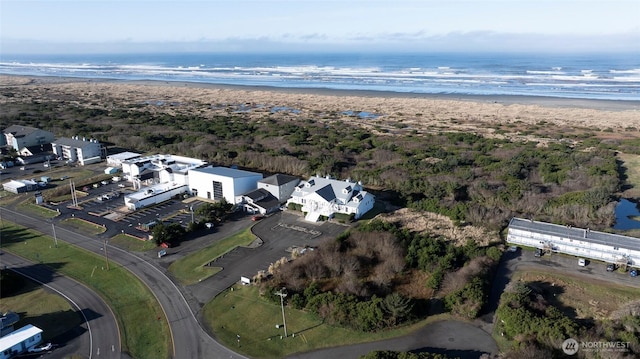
{"points": [[282, 295], [55, 238], [106, 256]]}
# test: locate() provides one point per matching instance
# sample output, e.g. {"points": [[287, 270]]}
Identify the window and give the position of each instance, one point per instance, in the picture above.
{"points": [[615, 248]]}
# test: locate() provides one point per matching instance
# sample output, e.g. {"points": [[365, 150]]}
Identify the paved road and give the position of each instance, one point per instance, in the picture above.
{"points": [[189, 339], [454, 338], [98, 335]]}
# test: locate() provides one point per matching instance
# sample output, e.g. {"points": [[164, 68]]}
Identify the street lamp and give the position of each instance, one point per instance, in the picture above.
{"points": [[282, 294], [55, 238]]}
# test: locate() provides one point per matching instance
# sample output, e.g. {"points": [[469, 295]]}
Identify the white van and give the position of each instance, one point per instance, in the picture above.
{"points": [[582, 262]]}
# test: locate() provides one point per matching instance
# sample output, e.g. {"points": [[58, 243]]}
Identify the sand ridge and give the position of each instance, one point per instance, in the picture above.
{"points": [[390, 112]]}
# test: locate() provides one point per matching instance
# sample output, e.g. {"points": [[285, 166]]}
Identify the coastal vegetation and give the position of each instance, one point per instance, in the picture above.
{"points": [[356, 280], [468, 177], [539, 310]]}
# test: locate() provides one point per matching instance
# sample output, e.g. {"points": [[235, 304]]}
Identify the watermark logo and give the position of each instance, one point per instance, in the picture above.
{"points": [[571, 346]]}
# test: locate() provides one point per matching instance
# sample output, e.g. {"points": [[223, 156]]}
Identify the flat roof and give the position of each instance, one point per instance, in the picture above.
{"points": [[146, 192], [71, 142], [122, 156], [227, 172], [18, 336], [607, 239]]}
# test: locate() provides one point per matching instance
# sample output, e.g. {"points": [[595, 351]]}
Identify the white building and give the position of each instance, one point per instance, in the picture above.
{"points": [[153, 195], [279, 185], [20, 186], [324, 196], [584, 243], [159, 169], [259, 201], [19, 137], [82, 151], [221, 182], [116, 160], [19, 341]]}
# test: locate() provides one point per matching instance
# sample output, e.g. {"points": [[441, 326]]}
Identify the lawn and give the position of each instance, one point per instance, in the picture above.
{"points": [[83, 226], [241, 311], [191, 269], [37, 210], [130, 243], [40, 307], [136, 309]]}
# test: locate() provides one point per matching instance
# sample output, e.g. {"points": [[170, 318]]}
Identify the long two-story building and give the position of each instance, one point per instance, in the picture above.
{"points": [[580, 242]]}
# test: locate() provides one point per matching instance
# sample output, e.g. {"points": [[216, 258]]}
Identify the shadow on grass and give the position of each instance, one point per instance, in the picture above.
{"points": [[15, 235], [14, 283]]}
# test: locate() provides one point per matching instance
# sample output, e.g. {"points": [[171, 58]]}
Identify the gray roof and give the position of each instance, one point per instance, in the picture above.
{"points": [[64, 141], [257, 193], [226, 172], [20, 131], [608, 239], [279, 179]]}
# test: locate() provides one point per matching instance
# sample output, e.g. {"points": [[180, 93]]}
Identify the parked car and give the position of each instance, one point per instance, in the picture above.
{"points": [[41, 348], [105, 182], [257, 217], [633, 273], [582, 262], [538, 252], [513, 249], [611, 267]]}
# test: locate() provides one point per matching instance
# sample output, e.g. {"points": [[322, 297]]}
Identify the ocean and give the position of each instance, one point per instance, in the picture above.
{"points": [[584, 76]]}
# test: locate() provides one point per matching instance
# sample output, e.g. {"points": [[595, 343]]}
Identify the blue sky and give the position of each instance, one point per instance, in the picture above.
{"points": [[239, 25]]}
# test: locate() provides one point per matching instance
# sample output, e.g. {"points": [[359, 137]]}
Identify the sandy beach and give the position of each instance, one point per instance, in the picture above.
{"points": [[396, 113]]}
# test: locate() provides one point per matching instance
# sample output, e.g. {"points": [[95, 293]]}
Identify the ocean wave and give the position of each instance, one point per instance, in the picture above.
{"points": [[472, 78]]}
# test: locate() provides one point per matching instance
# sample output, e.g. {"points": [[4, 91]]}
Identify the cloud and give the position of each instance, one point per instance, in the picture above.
{"points": [[479, 41]]}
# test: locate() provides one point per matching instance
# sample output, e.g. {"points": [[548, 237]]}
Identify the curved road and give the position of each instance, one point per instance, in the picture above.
{"points": [[189, 339], [101, 336]]}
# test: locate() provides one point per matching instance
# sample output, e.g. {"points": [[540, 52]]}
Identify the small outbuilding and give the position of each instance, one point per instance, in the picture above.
{"points": [[20, 186], [19, 341]]}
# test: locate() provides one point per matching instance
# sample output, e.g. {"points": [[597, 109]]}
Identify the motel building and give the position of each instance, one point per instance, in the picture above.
{"points": [[20, 341], [580, 242]]}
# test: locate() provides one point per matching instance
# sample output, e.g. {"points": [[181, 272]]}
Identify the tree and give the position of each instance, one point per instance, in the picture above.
{"points": [[171, 233], [397, 307], [214, 212]]}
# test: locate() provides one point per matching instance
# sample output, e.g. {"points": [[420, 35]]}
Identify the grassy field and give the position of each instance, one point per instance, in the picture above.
{"points": [[41, 308], [84, 226], [144, 330], [130, 243], [580, 298], [631, 164], [190, 269], [34, 209], [230, 313]]}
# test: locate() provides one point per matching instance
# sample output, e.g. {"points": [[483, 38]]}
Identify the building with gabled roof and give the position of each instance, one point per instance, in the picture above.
{"points": [[81, 151], [279, 185], [259, 201], [325, 196], [18, 136]]}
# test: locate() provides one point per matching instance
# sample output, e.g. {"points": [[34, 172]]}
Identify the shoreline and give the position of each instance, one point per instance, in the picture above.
{"points": [[542, 101]]}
